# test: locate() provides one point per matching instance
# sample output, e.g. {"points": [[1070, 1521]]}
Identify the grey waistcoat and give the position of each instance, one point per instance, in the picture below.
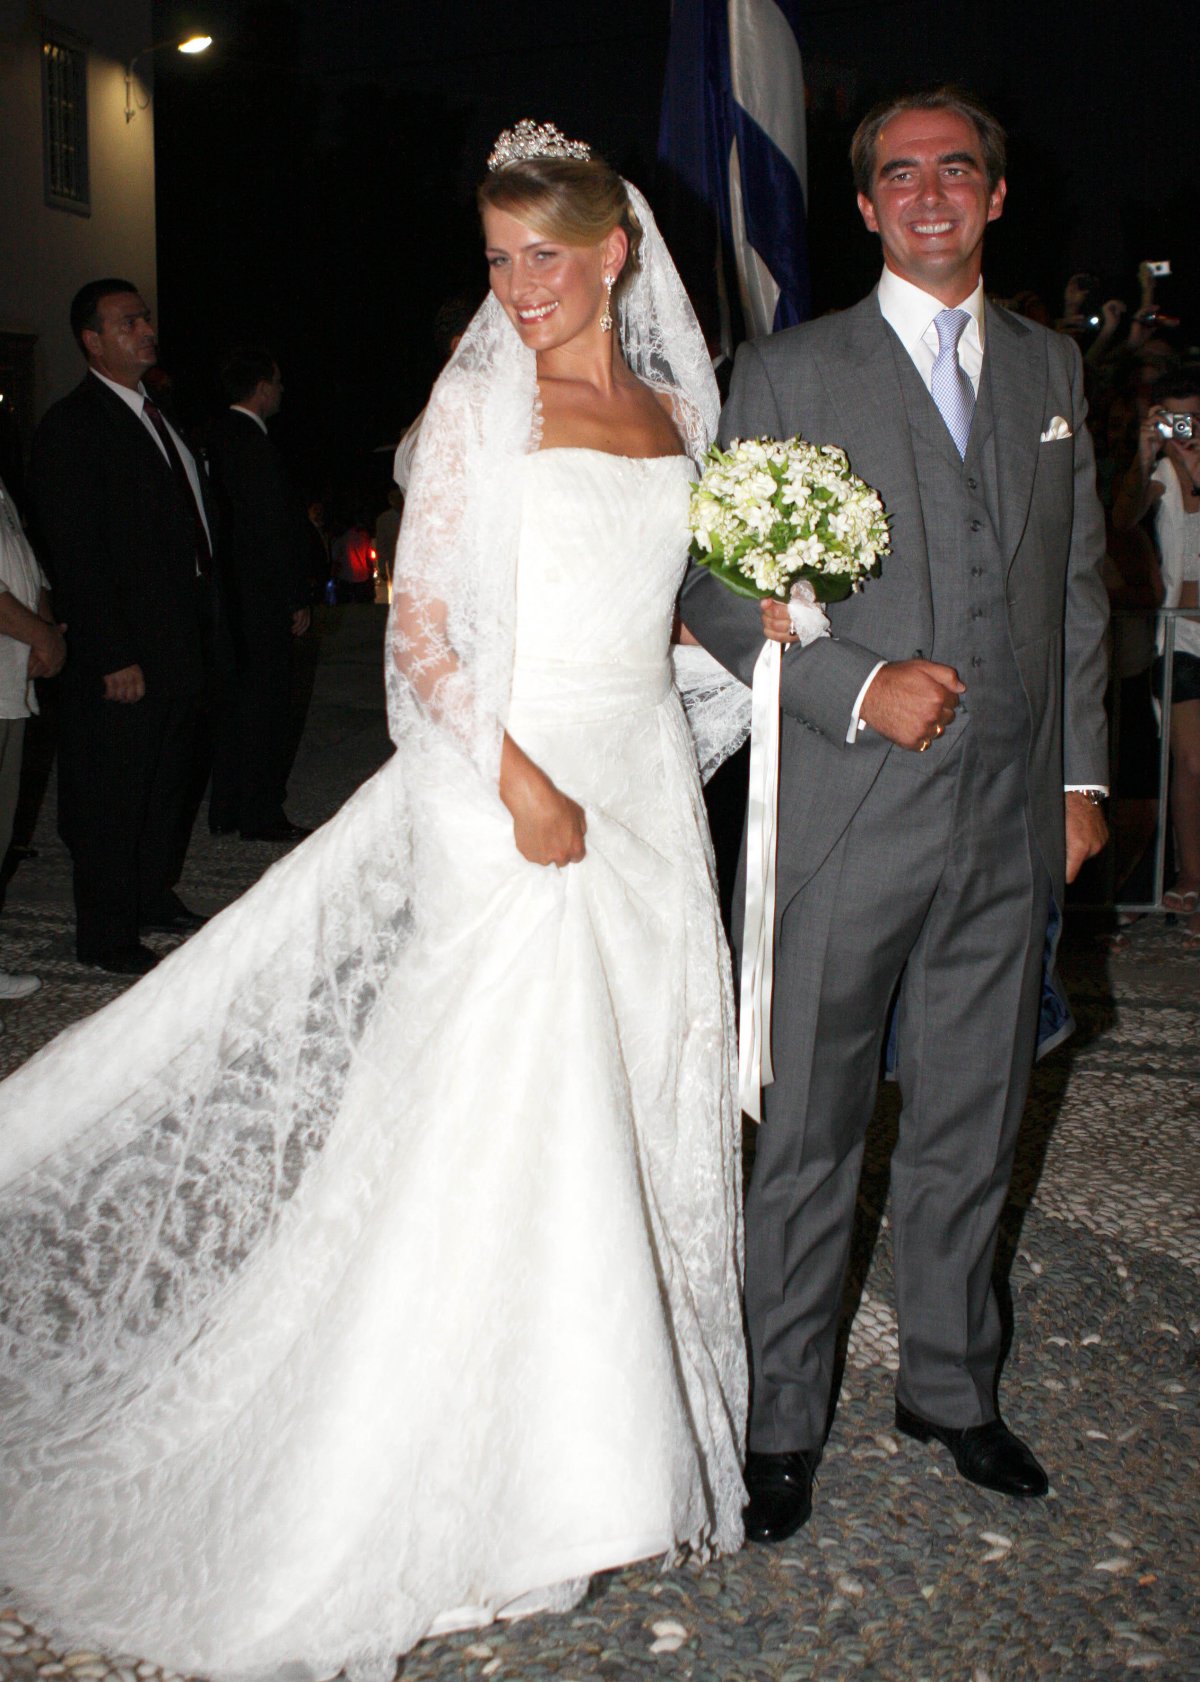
{"points": [[966, 567]]}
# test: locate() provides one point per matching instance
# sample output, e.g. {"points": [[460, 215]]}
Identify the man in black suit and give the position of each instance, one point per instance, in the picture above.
{"points": [[126, 528], [262, 586]]}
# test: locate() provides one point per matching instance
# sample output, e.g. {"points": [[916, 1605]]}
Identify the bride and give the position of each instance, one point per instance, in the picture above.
{"points": [[371, 1268]]}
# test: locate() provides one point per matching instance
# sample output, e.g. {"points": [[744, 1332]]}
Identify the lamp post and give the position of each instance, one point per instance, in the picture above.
{"points": [[190, 44]]}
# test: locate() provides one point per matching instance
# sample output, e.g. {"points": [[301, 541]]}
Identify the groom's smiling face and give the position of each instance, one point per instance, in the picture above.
{"points": [[931, 203]]}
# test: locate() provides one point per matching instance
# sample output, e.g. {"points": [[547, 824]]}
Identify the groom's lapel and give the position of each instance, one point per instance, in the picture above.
{"points": [[1016, 364], [860, 373]]}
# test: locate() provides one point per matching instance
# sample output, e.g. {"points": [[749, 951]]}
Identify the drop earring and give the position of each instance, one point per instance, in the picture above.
{"points": [[606, 319]]}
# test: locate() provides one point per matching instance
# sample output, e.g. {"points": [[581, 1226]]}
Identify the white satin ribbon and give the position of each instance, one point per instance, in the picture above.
{"points": [[762, 819], [758, 932]]}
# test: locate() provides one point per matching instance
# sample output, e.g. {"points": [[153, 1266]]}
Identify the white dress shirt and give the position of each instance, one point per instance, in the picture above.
{"points": [[136, 400], [911, 313], [241, 409]]}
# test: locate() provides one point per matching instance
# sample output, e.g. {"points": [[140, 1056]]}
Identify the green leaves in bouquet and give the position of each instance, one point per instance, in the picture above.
{"points": [[727, 571], [827, 587], [835, 586]]}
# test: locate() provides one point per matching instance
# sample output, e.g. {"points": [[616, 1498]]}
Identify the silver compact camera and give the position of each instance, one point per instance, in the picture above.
{"points": [[1180, 429]]}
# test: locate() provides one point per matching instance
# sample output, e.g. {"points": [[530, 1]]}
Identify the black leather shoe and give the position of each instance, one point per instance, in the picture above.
{"points": [[176, 919], [124, 960], [780, 1490], [989, 1454], [284, 830]]}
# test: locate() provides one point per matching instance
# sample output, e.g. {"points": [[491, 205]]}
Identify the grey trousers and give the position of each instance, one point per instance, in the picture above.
{"points": [[12, 743], [936, 886]]}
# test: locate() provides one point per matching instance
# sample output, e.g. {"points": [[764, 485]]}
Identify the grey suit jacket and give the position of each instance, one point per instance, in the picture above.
{"points": [[835, 381]]}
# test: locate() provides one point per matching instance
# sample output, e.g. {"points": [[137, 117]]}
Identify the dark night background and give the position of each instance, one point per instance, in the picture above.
{"points": [[315, 168]]}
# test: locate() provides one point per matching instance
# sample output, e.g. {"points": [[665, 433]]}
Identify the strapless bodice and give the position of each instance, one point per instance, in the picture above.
{"points": [[602, 551]]}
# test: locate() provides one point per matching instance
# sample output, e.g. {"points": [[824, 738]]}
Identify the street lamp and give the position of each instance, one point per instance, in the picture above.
{"points": [[190, 44]]}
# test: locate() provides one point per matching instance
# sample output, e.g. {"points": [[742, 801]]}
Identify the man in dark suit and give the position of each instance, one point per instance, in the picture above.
{"points": [[942, 756], [262, 589], [125, 524]]}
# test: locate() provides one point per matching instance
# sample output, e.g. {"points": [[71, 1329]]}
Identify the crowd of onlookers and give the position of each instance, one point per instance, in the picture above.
{"points": [[1142, 376]]}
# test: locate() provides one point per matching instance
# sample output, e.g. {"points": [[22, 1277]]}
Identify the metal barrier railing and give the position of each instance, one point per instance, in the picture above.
{"points": [[1166, 617]]}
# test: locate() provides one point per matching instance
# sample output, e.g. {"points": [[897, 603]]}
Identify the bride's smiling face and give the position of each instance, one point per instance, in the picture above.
{"points": [[552, 292]]}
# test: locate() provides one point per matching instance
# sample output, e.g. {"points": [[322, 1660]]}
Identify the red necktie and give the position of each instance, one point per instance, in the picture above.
{"points": [[203, 551]]}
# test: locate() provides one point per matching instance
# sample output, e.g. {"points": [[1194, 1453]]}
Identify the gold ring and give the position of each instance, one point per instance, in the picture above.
{"points": [[937, 729], [922, 744]]}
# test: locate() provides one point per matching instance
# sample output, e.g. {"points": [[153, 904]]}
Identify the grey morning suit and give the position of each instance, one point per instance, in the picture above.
{"points": [[933, 870]]}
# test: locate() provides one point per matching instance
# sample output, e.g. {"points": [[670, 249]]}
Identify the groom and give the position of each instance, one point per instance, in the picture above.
{"points": [[942, 762]]}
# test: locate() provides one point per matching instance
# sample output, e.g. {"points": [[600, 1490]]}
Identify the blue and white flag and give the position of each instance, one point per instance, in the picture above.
{"points": [[732, 135]]}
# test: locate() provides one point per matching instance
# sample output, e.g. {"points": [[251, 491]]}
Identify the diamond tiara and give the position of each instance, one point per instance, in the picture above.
{"points": [[534, 140]]}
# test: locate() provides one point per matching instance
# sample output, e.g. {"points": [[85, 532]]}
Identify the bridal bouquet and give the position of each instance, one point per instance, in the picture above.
{"points": [[766, 515]]}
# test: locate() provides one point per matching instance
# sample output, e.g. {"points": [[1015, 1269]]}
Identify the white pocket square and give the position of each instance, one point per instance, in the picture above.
{"points": [[1057, 429]]}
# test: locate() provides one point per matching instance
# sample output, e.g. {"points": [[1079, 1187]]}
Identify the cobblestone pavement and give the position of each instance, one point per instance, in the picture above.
{"points": [[905, 1572]]}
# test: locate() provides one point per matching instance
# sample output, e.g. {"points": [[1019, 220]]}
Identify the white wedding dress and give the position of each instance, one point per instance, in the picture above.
{"points": [[323, 1331]]}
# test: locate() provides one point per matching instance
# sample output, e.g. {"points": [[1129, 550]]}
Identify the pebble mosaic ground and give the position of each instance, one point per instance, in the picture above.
{"points": [[905, 1573]]}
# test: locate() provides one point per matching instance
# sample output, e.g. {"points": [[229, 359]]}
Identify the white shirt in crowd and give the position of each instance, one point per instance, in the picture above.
{"points": [[22, 577], [1178, 534], [406, 449]]}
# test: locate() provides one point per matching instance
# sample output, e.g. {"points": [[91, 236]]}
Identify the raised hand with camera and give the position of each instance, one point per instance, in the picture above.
{"points": [[1081, 310], [1149, 317], [1171, 429]]}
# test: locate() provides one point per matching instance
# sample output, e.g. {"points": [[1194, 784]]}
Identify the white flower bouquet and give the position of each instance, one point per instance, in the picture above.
{"points": [[765, 515]]}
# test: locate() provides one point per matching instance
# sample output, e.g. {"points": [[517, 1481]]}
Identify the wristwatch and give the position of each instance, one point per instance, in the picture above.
{"points": [[1093, 796]]}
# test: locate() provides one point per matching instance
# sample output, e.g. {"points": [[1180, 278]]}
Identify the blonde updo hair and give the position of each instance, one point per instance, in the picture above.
{"points": [[578, 201]]}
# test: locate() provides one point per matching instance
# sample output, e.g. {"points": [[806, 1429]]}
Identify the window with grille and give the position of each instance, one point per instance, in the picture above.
{"points": [[64, 113]]}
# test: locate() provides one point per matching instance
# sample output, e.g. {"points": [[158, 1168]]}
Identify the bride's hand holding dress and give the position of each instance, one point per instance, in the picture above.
{"points": [[548, 826]]}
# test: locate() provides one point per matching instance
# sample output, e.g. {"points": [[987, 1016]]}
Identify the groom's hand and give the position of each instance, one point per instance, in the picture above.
{"points": [[1087, 832], [911, 701]]}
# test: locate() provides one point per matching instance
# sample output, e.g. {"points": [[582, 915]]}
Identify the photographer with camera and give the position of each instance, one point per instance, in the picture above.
{"points": [[1165, 476]]}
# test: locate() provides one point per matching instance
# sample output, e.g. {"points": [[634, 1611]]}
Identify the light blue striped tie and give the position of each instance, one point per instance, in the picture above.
{"points": [[950, 384]]}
